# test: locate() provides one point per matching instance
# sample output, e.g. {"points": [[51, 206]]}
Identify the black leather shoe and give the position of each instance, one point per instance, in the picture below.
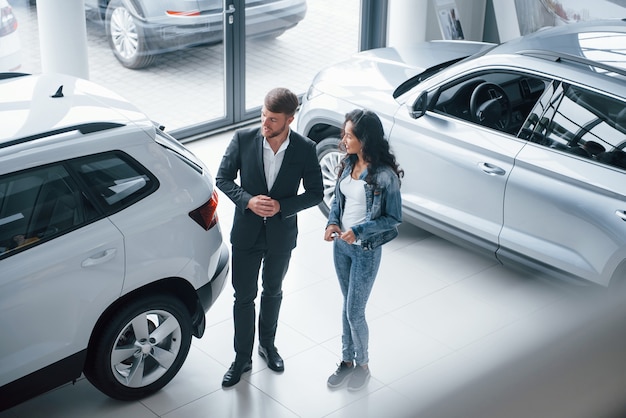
{"points": [[233, 375], [273, 359]]}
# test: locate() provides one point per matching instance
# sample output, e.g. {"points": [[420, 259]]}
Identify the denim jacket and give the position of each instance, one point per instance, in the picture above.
{"points": [[383, 207]]}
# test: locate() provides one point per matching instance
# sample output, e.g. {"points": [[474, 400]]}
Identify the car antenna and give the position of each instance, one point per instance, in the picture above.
{"points": [[59, 92]]}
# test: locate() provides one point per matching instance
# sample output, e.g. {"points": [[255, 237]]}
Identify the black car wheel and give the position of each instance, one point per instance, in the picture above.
{"points": [[140, 349], [329, 156], [126, 38]]}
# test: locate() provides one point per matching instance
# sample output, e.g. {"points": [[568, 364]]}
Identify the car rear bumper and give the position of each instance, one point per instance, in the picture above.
{"points": [[269, 19], [210, 291]]}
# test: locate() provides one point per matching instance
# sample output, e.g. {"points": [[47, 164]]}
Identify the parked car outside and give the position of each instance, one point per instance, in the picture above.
{"points": [[516, 151], [111, 250], [10, 46], [139, 30]]}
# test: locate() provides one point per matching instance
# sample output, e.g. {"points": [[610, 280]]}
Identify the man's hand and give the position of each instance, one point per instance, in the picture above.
{"points": [[264, 206]]}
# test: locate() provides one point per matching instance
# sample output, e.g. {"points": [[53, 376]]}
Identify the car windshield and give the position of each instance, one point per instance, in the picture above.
{"points": [[426, 74], [602, 43]]}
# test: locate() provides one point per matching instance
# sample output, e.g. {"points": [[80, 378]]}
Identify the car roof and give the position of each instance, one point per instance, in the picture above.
{"points": [[600, 41], [36, 106]]}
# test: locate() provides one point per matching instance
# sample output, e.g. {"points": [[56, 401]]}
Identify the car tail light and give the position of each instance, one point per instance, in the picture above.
{"points": [[8, 22], [182, 13], [206, 215]]}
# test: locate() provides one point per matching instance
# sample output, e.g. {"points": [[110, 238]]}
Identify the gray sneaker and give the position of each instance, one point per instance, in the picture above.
{"points": [[359, 378], [340, 376]]}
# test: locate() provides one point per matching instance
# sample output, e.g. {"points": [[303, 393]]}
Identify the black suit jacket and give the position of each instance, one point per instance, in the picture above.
{"points": [[244, 158]]}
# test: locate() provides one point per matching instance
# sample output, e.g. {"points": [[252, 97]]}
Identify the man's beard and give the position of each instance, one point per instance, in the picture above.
{"points": [[274, 134]]}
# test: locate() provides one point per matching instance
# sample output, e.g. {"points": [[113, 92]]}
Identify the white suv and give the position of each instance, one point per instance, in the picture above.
{"points": [[110, 248]]}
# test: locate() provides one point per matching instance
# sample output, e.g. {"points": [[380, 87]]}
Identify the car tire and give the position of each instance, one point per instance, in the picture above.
{"points": [[329, 156], [126, 37], [140, 348]]}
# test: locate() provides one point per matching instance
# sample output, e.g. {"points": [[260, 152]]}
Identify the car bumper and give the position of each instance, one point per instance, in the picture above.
{"points": [[208, 293], [260, 20], [274, 18]]}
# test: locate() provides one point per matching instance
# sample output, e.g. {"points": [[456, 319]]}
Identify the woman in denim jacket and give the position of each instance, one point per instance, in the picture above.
{"points": [[364, 215]]}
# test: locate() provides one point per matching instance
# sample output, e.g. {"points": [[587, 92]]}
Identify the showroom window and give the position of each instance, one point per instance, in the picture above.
{"points": [[193, 89]]}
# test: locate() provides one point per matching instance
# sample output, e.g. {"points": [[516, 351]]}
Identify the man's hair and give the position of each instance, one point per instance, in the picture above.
{"points": [[281, 100]]}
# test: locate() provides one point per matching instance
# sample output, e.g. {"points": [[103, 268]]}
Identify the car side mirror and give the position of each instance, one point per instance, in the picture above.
{"points": [[418, 108]]}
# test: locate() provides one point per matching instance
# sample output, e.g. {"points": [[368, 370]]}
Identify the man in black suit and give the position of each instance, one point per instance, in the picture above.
{"points": [[271, 162]]}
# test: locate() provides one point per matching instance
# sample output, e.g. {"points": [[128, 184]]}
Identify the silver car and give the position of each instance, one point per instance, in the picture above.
{"points": [[139, 30], [516, 150]]}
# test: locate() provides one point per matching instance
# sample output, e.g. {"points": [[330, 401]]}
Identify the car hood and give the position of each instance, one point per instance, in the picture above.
{"points": [[370, 77]]}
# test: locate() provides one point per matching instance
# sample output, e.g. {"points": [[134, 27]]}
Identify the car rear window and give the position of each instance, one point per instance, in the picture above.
{"points": [[179, 150]]}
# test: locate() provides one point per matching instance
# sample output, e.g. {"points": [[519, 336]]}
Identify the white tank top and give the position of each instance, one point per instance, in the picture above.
{"points": [[354, 206]]}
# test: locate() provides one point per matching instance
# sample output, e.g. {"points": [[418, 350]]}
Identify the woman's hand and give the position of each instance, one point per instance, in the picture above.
{"points": [[332, 231], [348, 236]]}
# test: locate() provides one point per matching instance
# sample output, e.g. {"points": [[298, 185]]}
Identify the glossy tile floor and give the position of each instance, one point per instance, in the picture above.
{"points": [[440, 318]]}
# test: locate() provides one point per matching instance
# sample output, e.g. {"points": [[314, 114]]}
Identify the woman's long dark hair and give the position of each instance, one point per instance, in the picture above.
{"points": [[368, 129]]}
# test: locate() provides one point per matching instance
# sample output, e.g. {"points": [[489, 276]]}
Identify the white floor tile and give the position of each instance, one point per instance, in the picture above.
{"points": [[452, 316], [396, 350], [382, 403], [302, 387], [443, 260], [240, 401], [315, 311], [199, 376], [78, 400]]}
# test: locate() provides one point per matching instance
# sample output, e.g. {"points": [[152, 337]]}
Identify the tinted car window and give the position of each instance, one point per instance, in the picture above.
{"points": [[37, 205], [585, 123], [114, 179]]}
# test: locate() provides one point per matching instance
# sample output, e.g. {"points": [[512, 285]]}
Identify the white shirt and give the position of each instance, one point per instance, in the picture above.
{"points": [[272, 162]]}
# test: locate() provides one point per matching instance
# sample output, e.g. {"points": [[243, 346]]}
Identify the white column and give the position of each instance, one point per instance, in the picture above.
{"points": [[406, 22], [506, 19], [63, 37]]}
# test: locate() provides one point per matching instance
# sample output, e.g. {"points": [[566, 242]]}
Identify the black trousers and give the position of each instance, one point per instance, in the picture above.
{"points": [[246, 264]]}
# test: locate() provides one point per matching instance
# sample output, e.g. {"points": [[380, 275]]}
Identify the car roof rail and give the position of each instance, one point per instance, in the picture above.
{"points": [[6, 76], [562, 56], [85, 128]]}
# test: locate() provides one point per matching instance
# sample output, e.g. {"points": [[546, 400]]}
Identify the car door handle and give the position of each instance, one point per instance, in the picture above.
{"points": [[100, 258], [492, 170], [621, 214]]}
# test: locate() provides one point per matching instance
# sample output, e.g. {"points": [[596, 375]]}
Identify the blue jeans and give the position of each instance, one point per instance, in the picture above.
{"points": [[356, 270]]}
